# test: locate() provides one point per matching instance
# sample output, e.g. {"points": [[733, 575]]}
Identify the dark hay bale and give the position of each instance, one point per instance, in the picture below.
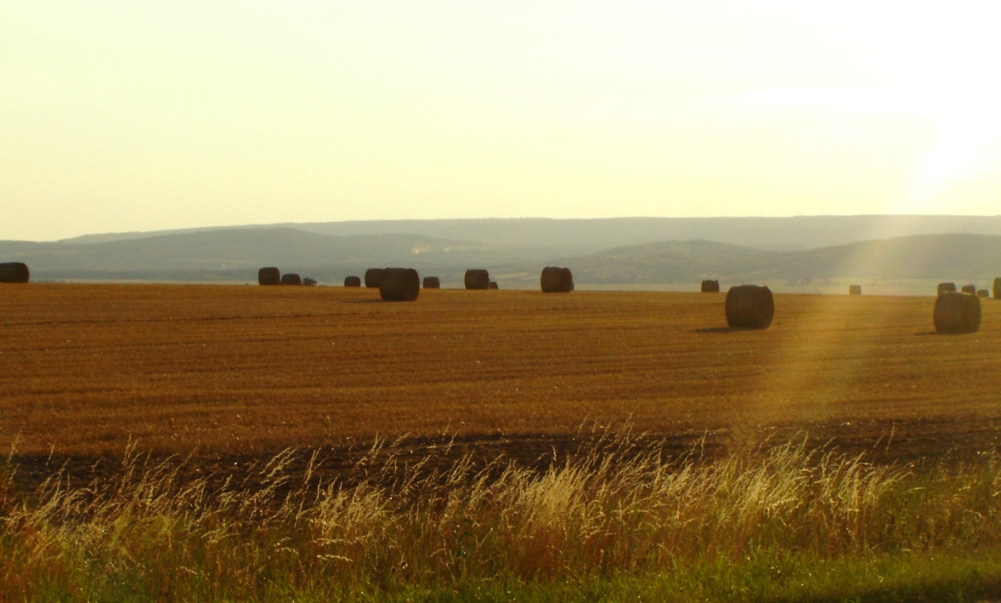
{"points": [[971, 289], [373, 277], [997, 288], [556, 280], [291, 279], [957, 313], [399, 284], [946, 288], [983, 293], [854, 289], [492, 285], [432, 282], [710, 286], [352, 281], [749, 307], [477, 279], [14, 272], [269, 276]]}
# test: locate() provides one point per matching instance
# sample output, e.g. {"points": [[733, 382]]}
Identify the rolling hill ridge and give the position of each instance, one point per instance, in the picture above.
{"points": [[235, 254]]}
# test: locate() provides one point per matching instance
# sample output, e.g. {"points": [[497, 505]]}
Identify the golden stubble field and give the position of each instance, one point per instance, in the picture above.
{"points": [[248, 370]]}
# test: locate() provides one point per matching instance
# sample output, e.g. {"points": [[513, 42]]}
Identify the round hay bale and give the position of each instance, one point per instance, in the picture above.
{"points": [[957, 313], [432, 282], [854, 289], [997, 288], [749, 307], [971, 289], [291, 279], [556, 280], [373, 277], [269, 276], [399, 284], [352, 281], [476, 279], [492, 285], [710, 286], [14, 272], [983, 293], [946, 288]]}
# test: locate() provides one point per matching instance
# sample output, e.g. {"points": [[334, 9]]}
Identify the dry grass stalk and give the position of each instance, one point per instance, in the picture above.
{"points": [[616, 506]]}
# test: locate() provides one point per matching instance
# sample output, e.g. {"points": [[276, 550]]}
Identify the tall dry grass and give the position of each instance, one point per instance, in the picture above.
{"points": [[617, 507]]}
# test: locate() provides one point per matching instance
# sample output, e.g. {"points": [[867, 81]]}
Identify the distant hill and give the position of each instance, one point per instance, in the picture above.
{"points": [[969, 258], [779, 255], [580, 237], [674, 262], [945, 257], [237, 254]]}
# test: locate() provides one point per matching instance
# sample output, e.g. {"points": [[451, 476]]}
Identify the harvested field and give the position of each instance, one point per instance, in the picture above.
{"points": [[233, 373]]}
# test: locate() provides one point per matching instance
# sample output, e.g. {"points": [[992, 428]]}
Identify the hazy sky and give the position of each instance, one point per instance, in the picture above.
{"points": [[149, 115]]}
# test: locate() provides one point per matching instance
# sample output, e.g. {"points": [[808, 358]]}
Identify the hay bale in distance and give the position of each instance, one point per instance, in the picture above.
{"points": [[997, 288], [269, 276], [432, 282], [291, 279], [492, 285], [352, 281], [946, 288], [14, 272], [957, 312], [710, 286], [749, 307], [983, 293], [399, 284], [476, 278], [971, 289], [556, 280], [373, 277], [854, 289]]}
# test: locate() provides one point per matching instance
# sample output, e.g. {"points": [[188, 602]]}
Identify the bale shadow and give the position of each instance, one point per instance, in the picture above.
{"points": [[726, 330], [943, 333]]}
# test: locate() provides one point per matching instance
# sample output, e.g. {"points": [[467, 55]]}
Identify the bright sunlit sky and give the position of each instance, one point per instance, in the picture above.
{"points": [[136, 116]]}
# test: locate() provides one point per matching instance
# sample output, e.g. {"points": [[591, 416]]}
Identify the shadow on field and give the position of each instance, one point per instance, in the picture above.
{"points": [[942, 334], [723, 330]]}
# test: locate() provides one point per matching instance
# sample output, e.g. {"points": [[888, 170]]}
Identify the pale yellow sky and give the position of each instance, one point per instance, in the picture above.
{"points": [[121, 116]]}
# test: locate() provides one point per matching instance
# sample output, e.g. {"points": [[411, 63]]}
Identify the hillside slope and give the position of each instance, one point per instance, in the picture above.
{"points": [[970, 258], [236, 254], [584, 236]]}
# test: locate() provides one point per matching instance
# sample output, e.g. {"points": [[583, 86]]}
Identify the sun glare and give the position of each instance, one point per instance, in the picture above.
{"points": [[964, 155]]}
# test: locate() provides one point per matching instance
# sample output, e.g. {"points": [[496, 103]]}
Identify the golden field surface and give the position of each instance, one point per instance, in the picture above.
{"points": [[247, 370]]}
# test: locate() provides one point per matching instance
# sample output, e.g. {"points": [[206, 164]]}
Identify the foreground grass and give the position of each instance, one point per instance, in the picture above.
{"points": [[616, 522]]}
